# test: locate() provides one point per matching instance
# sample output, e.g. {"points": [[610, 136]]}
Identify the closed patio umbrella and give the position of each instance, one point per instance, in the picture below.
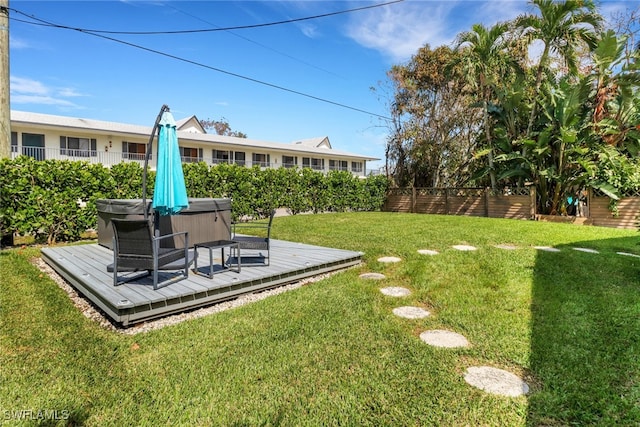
{"points": [[170, 192]]}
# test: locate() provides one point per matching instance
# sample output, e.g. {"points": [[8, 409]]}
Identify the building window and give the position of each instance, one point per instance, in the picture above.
{"points": [[338, 165], [239, 158], [260, 159], [289, 161], [33, 145], [315, 164], [133, 150], [190, 155], [220, 156], [77, 147], [356, 166], [14, 142]]}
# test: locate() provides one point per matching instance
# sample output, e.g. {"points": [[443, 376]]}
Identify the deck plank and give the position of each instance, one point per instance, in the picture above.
{"points": [[85, 267]]}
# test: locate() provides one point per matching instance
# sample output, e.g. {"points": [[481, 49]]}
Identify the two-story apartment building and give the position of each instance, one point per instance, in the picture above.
{"points": [[46, 136]]}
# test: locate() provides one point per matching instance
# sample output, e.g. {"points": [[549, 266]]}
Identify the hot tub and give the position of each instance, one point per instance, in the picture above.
{"points": [[205, 220]]}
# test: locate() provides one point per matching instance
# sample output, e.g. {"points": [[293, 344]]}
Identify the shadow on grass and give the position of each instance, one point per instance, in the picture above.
{"points": [[585, 343]]}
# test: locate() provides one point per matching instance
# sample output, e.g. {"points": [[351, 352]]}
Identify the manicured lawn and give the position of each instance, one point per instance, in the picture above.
{"points": [[332, 353]]}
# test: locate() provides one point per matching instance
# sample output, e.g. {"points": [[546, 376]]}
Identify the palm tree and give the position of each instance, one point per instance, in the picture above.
{"points": [[485, 57], [561, 27], [617, 79]]}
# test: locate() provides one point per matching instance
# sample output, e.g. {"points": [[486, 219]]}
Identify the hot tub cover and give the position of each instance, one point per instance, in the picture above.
{"points": [[134, 206]]}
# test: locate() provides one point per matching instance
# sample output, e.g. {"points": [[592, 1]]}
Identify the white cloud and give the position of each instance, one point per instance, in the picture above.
{"points": [[492, 12], [18, 43], [41, 100], [535, 52], [616, 12], [308, 30], [27, 86], [29, 91], [68, 92], [399, 30]]}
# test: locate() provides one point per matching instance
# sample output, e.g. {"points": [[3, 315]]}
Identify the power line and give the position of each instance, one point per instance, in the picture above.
{"points": [[199, 64], [258, 43], [240, 27]]}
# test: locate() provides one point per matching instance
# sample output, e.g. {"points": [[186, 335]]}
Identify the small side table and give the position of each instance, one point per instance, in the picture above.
{"points": [[211, 246]]}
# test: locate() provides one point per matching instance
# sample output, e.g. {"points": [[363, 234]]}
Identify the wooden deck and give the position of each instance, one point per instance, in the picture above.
{"points": [[85, 267]]}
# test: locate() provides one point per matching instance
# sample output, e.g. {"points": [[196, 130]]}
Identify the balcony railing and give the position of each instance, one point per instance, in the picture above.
{"points": [[186, 159], [109, 158]]}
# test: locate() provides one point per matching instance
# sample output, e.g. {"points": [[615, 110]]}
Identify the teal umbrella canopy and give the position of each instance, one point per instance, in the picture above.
{"points": [[170, 192]]}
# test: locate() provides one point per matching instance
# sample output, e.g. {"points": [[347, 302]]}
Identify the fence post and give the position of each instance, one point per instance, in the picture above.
{"points": [[532, 200], [446, 200], [413, 199], [486, 202]]}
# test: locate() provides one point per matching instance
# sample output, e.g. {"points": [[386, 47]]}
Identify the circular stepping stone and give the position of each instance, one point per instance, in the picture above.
{"points": [[464, 247], [427, 252], [496, 381], [441, 338], [628, 254], [507, 247], [411, 312], [547, 248], [395, 291], [373, 276], [588, 250], [389, 259]]}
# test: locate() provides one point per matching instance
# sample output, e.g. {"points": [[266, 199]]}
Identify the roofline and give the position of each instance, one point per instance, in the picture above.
{"points": [[115, 128]]}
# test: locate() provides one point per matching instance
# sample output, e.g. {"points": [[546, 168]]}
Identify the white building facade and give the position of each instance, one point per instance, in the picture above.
{"points": [[44, 136]]}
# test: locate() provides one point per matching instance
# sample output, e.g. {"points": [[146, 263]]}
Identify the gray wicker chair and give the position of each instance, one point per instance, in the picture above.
{"points": [[255, 243], [136, 249]]}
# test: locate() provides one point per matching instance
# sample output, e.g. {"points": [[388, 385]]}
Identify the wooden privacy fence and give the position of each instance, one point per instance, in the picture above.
{"points": [[625, 213], [510, 203], [463, 201]]}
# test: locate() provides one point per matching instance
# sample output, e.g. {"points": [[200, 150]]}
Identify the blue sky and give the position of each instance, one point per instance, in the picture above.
{"points": [[337, 58]]}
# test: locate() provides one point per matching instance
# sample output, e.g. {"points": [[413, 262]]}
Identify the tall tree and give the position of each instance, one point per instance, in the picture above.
{"points": [[485, 58], [434, 128], [625, 23], [221, 127], [617, 76], [561, 27]]}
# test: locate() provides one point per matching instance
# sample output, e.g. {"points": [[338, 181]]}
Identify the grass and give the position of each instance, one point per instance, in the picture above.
{"points": [[332, 353]]}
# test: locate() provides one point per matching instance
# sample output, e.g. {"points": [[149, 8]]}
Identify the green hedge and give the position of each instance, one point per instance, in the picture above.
{"points": [[55, 200]]}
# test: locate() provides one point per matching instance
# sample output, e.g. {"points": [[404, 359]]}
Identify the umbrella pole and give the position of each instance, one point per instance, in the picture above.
{"points": [[146, 160]]}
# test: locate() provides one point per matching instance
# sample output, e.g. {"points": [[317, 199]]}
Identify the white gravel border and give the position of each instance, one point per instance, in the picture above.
{"points": [[94, 313]]}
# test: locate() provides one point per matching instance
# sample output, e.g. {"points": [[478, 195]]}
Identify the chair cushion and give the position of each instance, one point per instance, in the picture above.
{"points": [[249, 242], [168, 259]]}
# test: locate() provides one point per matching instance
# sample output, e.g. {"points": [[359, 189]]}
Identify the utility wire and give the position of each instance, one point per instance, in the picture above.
{"points": [[257, 43], [199, 64], [240, 27]]}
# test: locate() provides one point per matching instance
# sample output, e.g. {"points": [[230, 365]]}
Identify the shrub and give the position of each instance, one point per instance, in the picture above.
{"points": [[55, 200]]}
